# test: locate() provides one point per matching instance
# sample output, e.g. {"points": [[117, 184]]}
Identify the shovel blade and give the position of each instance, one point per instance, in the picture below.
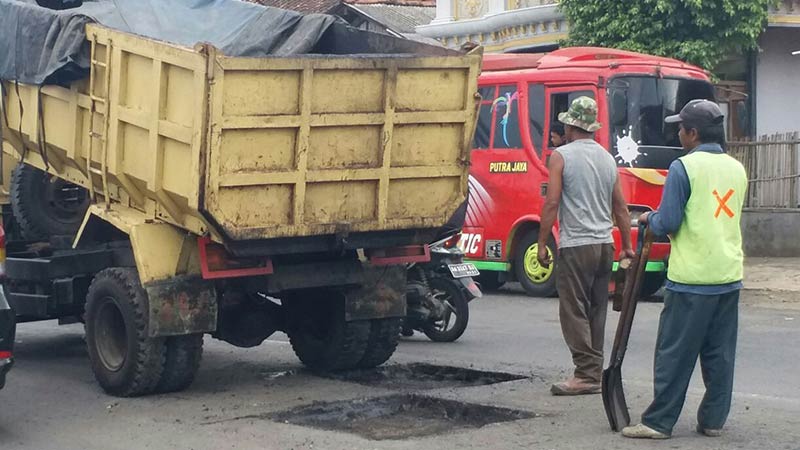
{"points": [[614, 399]]}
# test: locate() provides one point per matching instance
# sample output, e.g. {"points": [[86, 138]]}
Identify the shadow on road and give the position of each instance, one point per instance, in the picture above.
{"points": [[32, 347]]}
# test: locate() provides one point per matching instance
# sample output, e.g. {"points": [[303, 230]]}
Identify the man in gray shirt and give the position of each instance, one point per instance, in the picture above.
{"points": [[584, 192]]}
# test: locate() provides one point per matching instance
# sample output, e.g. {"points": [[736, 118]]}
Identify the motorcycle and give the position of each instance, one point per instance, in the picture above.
{"points": [[439, 291]]}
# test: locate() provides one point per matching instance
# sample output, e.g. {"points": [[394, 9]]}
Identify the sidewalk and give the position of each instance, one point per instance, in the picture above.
{"points": [[772, 282]]}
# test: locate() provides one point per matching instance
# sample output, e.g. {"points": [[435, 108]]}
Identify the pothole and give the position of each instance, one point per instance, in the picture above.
{"points": [[420, 376], [400, 416]]}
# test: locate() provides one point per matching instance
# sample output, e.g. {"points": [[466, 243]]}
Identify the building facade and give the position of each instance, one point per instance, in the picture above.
{"points": [[776, 73], [498, 25]]}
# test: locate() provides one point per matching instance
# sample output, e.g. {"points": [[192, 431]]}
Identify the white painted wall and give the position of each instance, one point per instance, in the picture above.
{"points": [[444, 11], [778, 82]]}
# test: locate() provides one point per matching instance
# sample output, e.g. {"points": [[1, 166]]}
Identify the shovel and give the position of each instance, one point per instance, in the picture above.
{"points": [[612, 390]]}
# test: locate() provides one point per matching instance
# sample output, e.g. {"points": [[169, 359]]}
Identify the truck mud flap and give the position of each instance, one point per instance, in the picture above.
{"points": [[181, 305], [381, 295]]}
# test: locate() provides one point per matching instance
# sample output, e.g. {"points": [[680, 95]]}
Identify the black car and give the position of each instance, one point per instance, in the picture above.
{"points": [[8, 328]]}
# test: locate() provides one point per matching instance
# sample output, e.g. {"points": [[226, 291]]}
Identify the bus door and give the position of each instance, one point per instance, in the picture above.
{"points": [[558, 100]]}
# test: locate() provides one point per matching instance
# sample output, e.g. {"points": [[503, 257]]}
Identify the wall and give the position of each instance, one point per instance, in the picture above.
{"points": [[497, 25], [778, 81], [771, 232]]}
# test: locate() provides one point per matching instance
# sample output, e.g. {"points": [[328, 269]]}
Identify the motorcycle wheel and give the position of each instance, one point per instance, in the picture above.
{"points": [[449, 328]]}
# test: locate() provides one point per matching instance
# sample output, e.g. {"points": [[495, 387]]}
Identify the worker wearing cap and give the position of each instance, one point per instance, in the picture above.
{"points": [[700, 211], [584, 192]]}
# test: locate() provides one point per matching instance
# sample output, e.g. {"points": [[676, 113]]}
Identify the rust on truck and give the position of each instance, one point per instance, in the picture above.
{"points": [[181, 305], [383, 295]]}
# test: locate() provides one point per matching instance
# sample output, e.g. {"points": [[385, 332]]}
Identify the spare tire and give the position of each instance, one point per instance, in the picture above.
{"points": [[45, 205]]}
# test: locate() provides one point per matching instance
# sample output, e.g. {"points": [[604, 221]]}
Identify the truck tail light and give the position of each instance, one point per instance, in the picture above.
{"points": [[399, 255], [5, 355], [216, 262]]}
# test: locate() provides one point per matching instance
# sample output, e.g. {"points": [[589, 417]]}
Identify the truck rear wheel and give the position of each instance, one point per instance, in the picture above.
{"points": [[537, 280], [45, 205], [125, 361], [383, 337], [183, 355], [321, 337]]}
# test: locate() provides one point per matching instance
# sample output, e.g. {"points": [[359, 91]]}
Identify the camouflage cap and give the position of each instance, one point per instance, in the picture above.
{"points": [[582, 113]]}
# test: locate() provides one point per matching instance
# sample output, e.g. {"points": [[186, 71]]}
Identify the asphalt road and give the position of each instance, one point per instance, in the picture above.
{"points": [[52, 402]]}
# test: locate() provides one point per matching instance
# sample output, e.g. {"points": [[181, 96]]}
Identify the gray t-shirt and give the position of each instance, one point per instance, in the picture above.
{"points": [[584, 215]]}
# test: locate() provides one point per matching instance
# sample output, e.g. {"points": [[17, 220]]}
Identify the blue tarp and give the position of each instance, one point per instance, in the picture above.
{"points": [[44, 46]]}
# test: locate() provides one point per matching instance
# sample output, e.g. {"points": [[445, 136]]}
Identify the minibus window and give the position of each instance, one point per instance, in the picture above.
{"points": [[506, 118], [483, 132]]}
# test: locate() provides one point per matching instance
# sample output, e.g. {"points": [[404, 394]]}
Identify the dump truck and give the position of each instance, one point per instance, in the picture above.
{"points": [[178, 192]]}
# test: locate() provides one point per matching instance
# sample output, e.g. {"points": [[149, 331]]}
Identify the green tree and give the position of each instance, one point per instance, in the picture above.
{"points": [[701, 32]]}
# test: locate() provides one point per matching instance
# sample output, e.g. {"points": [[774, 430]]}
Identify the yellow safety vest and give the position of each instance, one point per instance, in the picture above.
{"points": [[707, 248]]}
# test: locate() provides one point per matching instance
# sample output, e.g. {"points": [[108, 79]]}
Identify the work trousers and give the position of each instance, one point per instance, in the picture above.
{"points": [[584, 273], [694, 325]]}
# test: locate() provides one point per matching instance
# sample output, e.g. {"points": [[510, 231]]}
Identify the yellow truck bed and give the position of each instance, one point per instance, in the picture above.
{"points": [[256, 148]]}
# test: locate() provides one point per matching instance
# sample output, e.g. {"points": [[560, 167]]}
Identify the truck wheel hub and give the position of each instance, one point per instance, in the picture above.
{"points": [[111, 338]]}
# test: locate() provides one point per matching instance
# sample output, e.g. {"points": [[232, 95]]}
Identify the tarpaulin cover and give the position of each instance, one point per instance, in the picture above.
{"points": [[45, 46]]}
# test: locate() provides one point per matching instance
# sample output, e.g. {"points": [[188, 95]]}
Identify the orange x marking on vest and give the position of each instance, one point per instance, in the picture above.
{"points": [[723, 206]]}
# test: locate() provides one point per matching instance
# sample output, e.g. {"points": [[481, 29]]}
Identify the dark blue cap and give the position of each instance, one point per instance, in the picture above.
{"points": [[698, 114]]}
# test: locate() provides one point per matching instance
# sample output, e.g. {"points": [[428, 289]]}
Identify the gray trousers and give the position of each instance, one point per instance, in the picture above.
{"points": [[584, 273], [691, 326]]}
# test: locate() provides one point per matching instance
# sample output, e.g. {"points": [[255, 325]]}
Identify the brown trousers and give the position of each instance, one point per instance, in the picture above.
{"points": [[584, 273]]}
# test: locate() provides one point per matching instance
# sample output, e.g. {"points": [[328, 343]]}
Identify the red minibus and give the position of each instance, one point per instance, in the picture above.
{"points": [[522, 97]]}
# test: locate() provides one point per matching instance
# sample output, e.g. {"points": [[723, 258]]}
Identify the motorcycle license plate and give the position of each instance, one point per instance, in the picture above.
{"points": [[463, 270]]}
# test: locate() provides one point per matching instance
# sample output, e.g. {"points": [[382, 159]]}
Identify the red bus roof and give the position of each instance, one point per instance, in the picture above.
{"points": [[584, 57], [497, 62]]}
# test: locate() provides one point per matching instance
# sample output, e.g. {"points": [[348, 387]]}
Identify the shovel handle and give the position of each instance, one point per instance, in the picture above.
{"points": [[641, 238], [630, 294], [619, 282]]}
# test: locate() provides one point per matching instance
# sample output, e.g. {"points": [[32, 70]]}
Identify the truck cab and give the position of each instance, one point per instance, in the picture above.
{"points": [[522, 95]]}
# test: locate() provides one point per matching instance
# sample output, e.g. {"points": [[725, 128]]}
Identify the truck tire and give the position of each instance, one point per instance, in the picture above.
{"points": [[321, 337], [125, 361], [383, 337], [182, 359], [44, 205], [537, 281]]}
